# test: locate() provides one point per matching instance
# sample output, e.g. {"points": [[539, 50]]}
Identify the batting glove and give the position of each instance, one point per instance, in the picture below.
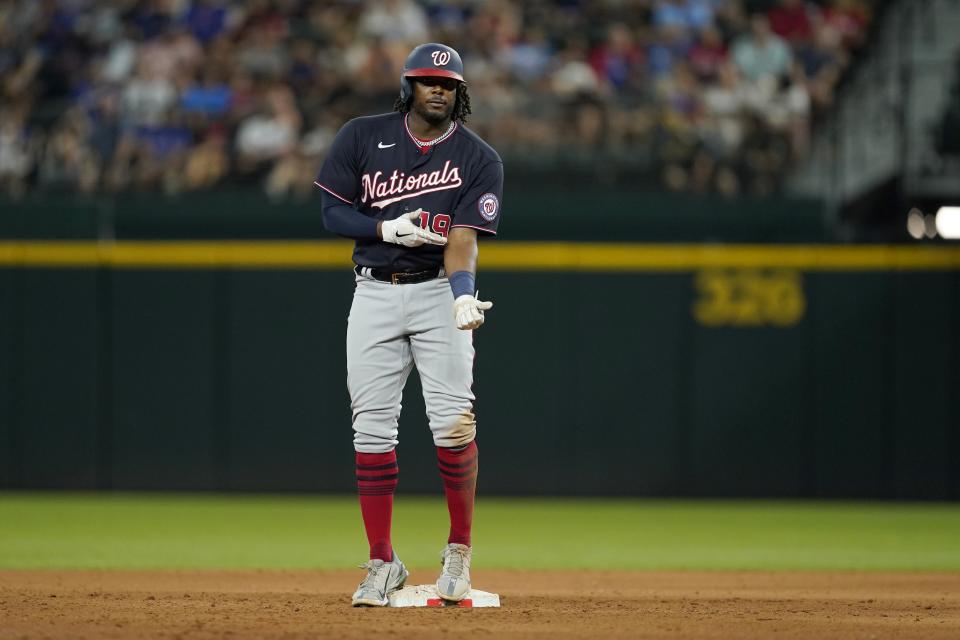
{"points": [[468, 312], [404, 231]]}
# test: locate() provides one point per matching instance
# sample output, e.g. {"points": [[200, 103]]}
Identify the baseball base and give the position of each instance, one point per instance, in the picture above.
{"points": [[425, 595]]}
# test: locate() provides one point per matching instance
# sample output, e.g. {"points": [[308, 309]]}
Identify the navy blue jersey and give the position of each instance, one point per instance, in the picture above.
{"points": [[376, 165]]}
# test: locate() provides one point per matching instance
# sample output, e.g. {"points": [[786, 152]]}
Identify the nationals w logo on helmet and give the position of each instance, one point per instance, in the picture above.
{"points": [[425, 61], [430, 60]]}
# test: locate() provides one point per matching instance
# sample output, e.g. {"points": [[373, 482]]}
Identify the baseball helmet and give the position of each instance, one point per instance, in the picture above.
{"points": [[430, 60]]}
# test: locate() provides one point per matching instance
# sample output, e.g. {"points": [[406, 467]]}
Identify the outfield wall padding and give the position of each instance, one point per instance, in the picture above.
{"points": [[232, 378]]}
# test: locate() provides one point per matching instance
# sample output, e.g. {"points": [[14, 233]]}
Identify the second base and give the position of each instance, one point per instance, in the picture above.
{"points": [[425, 595]]}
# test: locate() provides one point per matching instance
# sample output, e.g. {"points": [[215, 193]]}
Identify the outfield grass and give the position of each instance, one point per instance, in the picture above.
{"points": [[145, 531]]}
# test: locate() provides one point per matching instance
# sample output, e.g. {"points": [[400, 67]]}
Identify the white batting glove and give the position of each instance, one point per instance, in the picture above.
{"points": [[468, 311], [404, 231]]}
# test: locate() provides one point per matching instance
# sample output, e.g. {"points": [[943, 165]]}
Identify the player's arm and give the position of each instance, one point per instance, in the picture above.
{"points": [[477, 210], [342, 219], [460, 262]]}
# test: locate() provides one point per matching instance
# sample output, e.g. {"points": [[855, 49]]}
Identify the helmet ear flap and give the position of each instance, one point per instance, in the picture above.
{"points": [[406, 89]]}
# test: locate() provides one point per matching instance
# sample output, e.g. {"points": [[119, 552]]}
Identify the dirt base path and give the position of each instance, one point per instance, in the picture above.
{"points": [[302, 604]]}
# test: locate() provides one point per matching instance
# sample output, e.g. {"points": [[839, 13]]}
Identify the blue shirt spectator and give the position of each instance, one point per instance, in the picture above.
{"points": [[692, 15], [206, 19], [210, 100], [164, 140]]}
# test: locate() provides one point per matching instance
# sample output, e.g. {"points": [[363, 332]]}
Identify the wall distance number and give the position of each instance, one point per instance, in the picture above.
{"points": [[749, 298]]}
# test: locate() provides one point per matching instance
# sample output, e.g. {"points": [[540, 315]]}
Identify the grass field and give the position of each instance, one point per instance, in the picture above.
{"points": [[152, 531]]}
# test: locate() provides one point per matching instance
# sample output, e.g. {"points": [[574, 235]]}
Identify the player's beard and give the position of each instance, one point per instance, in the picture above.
{"points": [[435, 118]]}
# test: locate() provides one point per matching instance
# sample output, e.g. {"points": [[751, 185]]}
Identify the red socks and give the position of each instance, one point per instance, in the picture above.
{"points": [[458, 468], [377, 475]]}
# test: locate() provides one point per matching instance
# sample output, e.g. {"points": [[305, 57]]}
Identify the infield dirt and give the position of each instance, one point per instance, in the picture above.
{"points": [[588, 604]]}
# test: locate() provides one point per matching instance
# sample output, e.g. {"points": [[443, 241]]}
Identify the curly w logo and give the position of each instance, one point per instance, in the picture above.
{"points": [[440, 58]]}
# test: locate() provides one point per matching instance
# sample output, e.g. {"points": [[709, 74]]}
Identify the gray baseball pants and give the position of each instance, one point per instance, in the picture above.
{"points": [[391, 328]]}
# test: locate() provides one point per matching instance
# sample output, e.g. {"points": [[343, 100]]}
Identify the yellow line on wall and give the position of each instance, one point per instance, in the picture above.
{"points": [[178, 254], [497, 255], [689, 257]]}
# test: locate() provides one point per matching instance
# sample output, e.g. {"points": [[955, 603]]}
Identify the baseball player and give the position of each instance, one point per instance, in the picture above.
{"points": [[414, 188]]}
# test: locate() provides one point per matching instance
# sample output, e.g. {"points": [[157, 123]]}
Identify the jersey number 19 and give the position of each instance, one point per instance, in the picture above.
{"points": [[441, 223]]}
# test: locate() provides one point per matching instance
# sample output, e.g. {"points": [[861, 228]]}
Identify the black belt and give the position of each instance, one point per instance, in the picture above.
{"points": [[399, 277]]}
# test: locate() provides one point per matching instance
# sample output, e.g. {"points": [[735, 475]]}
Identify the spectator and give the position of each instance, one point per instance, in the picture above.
{"points": [[211, 98], [68, 164], [797, 106], [529, 58], [687, 15], [170, 56], [261, 53], [762, 52], [790, 20], [619, 58], [849, 18], [206, 164], [401, 21], [17, 151], [121, 58], [375, 69], [682, 111], [681, 96], [821, 62], [765, 155], [725, 103], [152, 17], [206, 19], [147, 99], [670, 45], [731, 19], [302, 72], [573, 76], [708, 54], [22, 71], [105, 127], [269, 134]]}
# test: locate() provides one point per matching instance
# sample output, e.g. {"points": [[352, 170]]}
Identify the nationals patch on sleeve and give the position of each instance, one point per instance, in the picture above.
{"points": [[488, 205]]}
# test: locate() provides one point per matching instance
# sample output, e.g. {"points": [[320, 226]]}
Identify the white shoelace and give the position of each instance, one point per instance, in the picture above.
{"points": [[373, 573], [453, 563]]}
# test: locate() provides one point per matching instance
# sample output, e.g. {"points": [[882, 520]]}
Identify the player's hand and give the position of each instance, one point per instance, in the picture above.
{"points": [[468, 312], [404, 231]]}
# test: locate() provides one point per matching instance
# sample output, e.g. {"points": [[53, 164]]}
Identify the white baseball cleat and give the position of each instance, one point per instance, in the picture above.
{"points": [[454, 581], [383, 578]]}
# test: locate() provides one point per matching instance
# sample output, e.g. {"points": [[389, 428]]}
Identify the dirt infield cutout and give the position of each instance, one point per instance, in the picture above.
{"points": [[589, 604]]}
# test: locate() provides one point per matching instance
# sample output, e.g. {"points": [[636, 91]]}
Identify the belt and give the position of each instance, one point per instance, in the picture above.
{"points": [[399, 277]]}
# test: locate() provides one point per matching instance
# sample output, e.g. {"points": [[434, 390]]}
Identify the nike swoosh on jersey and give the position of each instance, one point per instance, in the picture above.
{"points": [[380, 145]]}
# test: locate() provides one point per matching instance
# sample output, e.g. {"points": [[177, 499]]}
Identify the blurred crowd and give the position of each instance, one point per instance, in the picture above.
{"points": [[710, 96]]}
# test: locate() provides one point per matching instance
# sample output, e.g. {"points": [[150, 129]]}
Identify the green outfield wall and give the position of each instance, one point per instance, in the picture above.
{"points": [[554, 212], [627, 368]]}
